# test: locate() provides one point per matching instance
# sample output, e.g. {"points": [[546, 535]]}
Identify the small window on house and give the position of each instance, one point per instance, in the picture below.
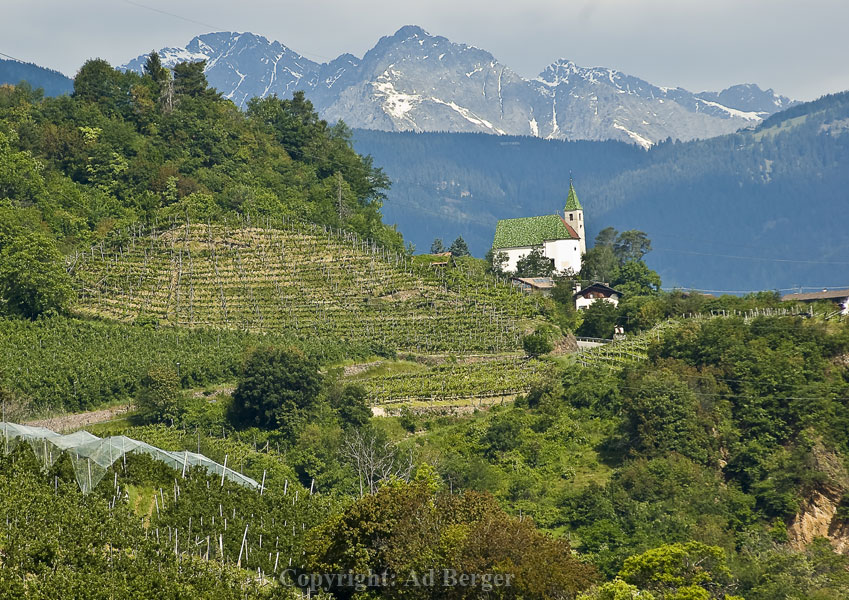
{"points": [[571, 217]]}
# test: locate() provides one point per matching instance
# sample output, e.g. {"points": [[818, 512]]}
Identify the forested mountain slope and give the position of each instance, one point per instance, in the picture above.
{"points": [[54, 83], [751, 210], [127, 148]]}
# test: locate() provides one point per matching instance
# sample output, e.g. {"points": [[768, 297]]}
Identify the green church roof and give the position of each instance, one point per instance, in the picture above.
{"points": [[530, 231], [572, 201]]}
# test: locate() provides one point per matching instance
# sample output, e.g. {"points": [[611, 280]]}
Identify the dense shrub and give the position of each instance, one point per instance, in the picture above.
{"points": [[278, 388]]}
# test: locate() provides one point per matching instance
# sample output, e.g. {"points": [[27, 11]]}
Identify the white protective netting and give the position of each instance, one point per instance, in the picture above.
{"points": [[91, 456]]}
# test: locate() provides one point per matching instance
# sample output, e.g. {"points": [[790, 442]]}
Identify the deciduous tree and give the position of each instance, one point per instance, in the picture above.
{"points": [[599, 319], [534, 264], [159, 394], [537, 344], [33, 280], [631, 245], [690, 571], [278, 388]]}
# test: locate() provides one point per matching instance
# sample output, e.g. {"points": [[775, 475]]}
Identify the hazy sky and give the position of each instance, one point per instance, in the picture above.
{"points": [[800, 49]]}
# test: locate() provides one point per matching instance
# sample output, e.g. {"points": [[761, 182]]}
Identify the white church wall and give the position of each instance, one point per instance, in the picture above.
{"points": [[566, 255], [513, 257]]}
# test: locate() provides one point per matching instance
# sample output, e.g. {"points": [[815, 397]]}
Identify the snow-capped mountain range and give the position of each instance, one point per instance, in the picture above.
{"points": [[413, 80]]}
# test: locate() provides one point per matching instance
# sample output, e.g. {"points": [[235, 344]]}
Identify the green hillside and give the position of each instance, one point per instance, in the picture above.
{"points": [[306, 281], [692, 472], [62, 364], [125, 148], [491, 379]]}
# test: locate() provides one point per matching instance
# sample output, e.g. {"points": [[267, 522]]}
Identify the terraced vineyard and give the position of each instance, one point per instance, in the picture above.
{"points": [[492, 378], [618, 354], [304, 280]]}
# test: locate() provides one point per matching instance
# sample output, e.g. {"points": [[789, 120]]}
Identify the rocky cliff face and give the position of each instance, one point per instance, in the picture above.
{"points": [[816, 519], [415, 81], [817, 516]]}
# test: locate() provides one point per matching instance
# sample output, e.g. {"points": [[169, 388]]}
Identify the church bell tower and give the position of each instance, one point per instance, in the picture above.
{"points": [[573, 214]]}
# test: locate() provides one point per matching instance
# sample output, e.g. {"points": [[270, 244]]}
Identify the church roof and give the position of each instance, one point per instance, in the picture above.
{"points": [[572, 200], [531, 231]]}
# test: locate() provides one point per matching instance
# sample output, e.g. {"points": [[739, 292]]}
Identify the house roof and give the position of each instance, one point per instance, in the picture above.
{"points": [[823, 295], [531, 231], [542, 283], [572, 200], [597, 287]]}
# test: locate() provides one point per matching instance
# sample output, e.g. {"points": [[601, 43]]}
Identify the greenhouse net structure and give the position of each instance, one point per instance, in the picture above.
{"points": [[91, 456]]}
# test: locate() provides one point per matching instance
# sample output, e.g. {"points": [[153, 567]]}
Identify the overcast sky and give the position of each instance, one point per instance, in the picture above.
{"points": [[800, 49]]}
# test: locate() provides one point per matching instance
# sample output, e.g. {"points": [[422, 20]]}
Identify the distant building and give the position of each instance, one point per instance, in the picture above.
{"points": [[442, 259], [597, 291], [840, 298], [560, 238], [543, 285]]}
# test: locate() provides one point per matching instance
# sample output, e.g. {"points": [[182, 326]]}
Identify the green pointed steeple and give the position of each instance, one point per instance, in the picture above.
{"points": [[572, 201]]}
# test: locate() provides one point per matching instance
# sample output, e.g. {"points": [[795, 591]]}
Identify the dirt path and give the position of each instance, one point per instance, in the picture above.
{"points": [[455, 406], [73, 422]]}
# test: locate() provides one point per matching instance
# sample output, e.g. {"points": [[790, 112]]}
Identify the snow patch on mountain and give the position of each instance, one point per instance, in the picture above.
{"points": [[749, 116], [645, 143], [470, 116], [395, 103]]}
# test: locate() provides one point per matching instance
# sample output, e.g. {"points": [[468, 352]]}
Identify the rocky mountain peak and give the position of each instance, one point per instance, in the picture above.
{"points": [[413, 80], [559, 72], [411, 31]]}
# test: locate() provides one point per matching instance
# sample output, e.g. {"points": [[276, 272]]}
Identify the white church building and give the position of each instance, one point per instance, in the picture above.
{"points": [[560, 238]]}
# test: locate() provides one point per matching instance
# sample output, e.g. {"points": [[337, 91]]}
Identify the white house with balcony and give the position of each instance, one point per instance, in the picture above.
{"points": [[596, 292]]}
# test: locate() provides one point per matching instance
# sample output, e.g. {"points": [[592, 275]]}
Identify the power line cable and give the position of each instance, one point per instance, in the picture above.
{"points": [[213, 27], [678, 288], [170, 14], [12, 57], [733, 395], [691, 239], [761, 258]]}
